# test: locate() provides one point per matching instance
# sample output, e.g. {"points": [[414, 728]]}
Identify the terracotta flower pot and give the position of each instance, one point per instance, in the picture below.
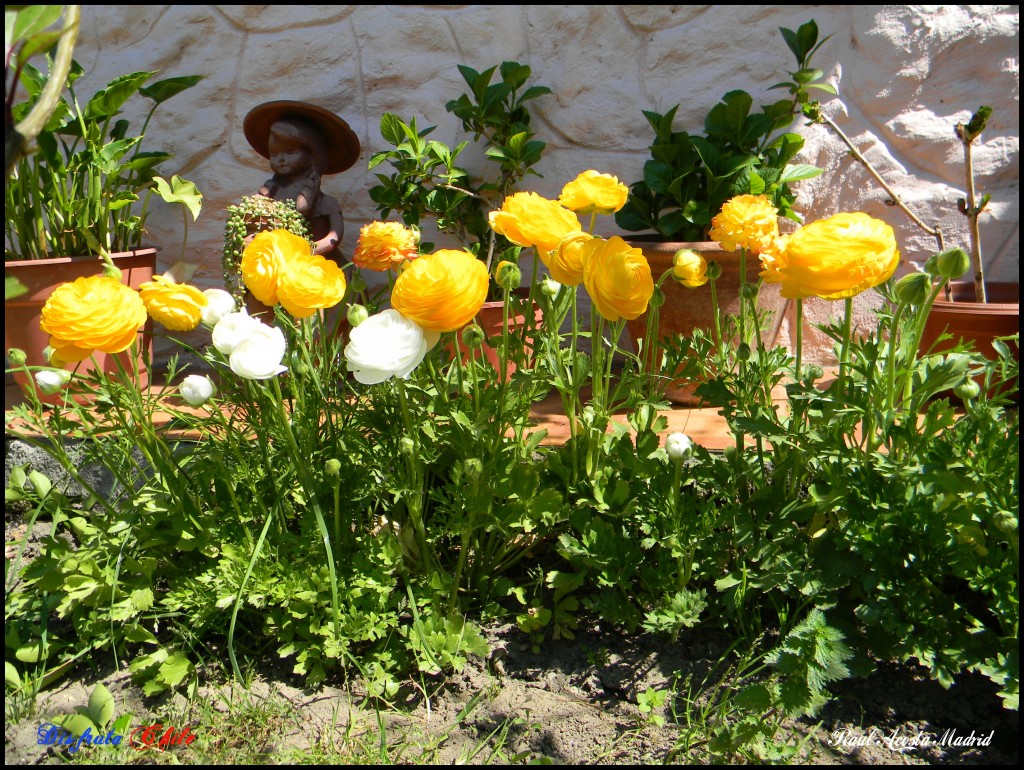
{"points": [[23, 314], [688, 309], [969, 320], [491, 319]]}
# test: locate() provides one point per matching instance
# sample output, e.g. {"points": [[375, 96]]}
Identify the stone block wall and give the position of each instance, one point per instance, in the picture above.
{"points": [[905, 74]]}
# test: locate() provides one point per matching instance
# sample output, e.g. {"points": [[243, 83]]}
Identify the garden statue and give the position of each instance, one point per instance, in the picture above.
{"points": [[303, 142]]}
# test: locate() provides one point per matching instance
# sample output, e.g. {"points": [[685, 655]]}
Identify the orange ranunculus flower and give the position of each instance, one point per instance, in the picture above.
{"points": [[617, 277], [527, 219], [690, 268], [177, 306], [310, 282], [833, 258], [384, 246], [565, 263], [748, 222], [441, 291], [264, 259], [592, 192], [93, 313]]}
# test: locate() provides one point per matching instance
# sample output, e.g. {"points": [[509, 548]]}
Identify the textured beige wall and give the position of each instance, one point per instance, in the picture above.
{"points": [[905, 73]]}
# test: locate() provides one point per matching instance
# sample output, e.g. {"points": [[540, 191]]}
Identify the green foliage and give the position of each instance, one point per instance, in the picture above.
{"points": [[689, 176], [77, 191], [251, 215], [427, 181]]}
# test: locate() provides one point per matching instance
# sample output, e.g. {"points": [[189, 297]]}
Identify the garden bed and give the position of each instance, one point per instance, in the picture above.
{"points": [[571, 702]]}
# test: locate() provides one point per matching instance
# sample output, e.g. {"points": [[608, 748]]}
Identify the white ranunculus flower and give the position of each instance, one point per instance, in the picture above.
{"points": [[50, 381], [387, 345], [678, 445], [219, 304], [257, 356], [197, 389], [231, 329]]}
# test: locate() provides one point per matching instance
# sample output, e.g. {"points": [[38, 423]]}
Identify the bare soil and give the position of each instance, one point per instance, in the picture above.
{"points": [[575, 702]]}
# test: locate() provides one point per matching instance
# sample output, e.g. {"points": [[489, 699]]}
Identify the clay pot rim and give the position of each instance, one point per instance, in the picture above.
{"points": [[143, 251], [979, 308]]}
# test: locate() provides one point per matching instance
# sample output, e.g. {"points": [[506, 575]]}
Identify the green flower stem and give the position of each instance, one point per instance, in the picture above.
{"points": [[799, 323], [844, 352], [241, 589], [910, 354], [889, 397], [717, 319], [574, 401], [743, 302], [414, 502], [616, 334], [307, 484]]}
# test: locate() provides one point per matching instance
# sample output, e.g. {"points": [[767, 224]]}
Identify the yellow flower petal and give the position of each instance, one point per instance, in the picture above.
{"points": [[93, 313], [833, 258], [441, 291], [617, 277], [746, 222], [594, 193], [177, 306], [308, 283], [527, 219], [385, 245]]}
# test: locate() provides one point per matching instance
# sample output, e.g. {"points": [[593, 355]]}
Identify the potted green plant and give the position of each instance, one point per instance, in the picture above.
{"points": [[81, 191], [690, 176], [427, 184], [976, 310]]}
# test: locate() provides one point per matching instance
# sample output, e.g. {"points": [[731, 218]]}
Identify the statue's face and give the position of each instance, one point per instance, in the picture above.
{"points": [[287, 156]]}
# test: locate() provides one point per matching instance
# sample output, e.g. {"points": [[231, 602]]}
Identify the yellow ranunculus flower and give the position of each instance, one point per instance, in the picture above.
{"points": [[384, 246], [592, 192], [565, 263], [265, 257], [746, 222], [93, 313], [527, 219], [310, 282], [441, 291], [177, 306], [617, 277], [833, 258], [690, 268]]}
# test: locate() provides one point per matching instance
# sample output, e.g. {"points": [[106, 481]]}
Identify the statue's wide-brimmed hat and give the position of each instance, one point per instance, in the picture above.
{"points": [[340, 141]]}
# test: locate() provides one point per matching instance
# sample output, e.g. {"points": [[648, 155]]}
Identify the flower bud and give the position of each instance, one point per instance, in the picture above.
{"points": [[657, 298], [743, 352], [51, 381], [508, 275], [677, 446], [196, 389], [749, 291], [967, 390], [953, 263], [689, 268], [16, 356], [219, 303], [913, 289], [714, 270], [407, 446], [1005, 522], [549, 287], [813, 373], [356, 283], [333, 467], [357, 314], [473, 336], [473, 468]]}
